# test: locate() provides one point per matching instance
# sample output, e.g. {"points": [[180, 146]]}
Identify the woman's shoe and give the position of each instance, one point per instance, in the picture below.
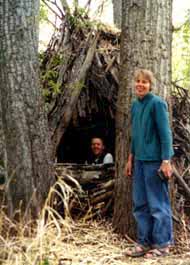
{"points": [[137, 251], [157, 252]]}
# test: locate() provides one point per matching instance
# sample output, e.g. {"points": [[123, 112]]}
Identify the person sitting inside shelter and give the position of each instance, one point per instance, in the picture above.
{"points": [[98, 153]]}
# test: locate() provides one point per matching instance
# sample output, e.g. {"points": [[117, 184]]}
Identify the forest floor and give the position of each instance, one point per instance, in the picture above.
{"points": [[75, 243]]}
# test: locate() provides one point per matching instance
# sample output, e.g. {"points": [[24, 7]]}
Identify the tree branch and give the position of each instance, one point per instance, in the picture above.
{"points": [[87, 6], [52, 10], [65, 7], [181, 181], [76, 3]]}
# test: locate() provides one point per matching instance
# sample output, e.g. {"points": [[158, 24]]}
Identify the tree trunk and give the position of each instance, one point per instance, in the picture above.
{"points": [[146, 43], [117, 12], [24, 122]]}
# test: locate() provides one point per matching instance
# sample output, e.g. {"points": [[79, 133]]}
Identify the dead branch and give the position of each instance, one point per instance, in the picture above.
{"points": [[65, 7], [87, 6], [71, 94], [52, 10], [181, 181]]}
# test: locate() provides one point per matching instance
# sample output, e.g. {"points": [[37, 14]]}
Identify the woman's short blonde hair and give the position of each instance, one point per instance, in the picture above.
{"points": [[146, 74]]}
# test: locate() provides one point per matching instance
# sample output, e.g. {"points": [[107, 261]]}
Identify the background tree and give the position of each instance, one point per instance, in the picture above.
{"points": [[117, 12], [145, 43], [24, 122], [181, 54]]}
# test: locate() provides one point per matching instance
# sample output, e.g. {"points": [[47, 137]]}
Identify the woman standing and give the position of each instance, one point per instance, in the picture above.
{"points": [[151, 151]]}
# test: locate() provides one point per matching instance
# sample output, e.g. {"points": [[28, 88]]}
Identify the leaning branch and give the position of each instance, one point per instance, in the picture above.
{"points": [[52, 10], [181, 181], [65, 7], [71, 93]]}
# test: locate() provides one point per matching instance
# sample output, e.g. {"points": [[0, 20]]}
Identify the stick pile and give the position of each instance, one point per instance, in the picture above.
{"points": [[97, 183], [181, 133]]}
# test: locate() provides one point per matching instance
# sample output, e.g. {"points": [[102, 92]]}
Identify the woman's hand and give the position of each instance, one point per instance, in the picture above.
{"points": [[128, 166], [166, 168]]}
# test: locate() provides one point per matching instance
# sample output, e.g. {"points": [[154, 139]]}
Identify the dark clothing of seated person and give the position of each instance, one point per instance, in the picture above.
{"points": [[98, 154]]}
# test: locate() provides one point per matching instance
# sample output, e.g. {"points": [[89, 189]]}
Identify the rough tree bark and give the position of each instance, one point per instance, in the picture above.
{"points": [[117, 12], [146, 43], [24, 122]]}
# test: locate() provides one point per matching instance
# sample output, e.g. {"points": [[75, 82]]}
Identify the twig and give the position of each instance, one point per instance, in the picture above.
{"points": [[181, 181], [185, 171], [53, 24], [87, 6], [76, 4], [65, 7], [57, 6], [55, 13]]}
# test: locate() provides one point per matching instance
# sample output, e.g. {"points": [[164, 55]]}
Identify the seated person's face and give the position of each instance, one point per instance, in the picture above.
{"points": [[97, 146]]}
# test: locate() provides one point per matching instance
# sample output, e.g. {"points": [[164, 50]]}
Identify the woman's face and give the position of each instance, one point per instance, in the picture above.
{"points": [[142, 86]]}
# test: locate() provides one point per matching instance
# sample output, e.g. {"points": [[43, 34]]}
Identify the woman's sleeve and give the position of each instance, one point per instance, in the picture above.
{"points": [[132, 146], [163, 128]]}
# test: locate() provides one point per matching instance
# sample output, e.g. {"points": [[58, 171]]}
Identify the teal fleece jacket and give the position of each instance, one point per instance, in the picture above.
{"points": [[151, 133]]}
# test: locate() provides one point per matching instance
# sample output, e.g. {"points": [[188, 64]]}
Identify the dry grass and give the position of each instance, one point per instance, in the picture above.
{"points": [[58, 241], [92, 243]]}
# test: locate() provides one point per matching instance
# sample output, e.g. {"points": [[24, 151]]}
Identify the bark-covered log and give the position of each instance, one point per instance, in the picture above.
{"points": [[145, 43], [24, 122], [97, 186], [101, 197]]}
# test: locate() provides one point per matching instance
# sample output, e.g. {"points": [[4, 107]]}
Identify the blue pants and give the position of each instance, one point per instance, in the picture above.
{"points": [[151, 203]]}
